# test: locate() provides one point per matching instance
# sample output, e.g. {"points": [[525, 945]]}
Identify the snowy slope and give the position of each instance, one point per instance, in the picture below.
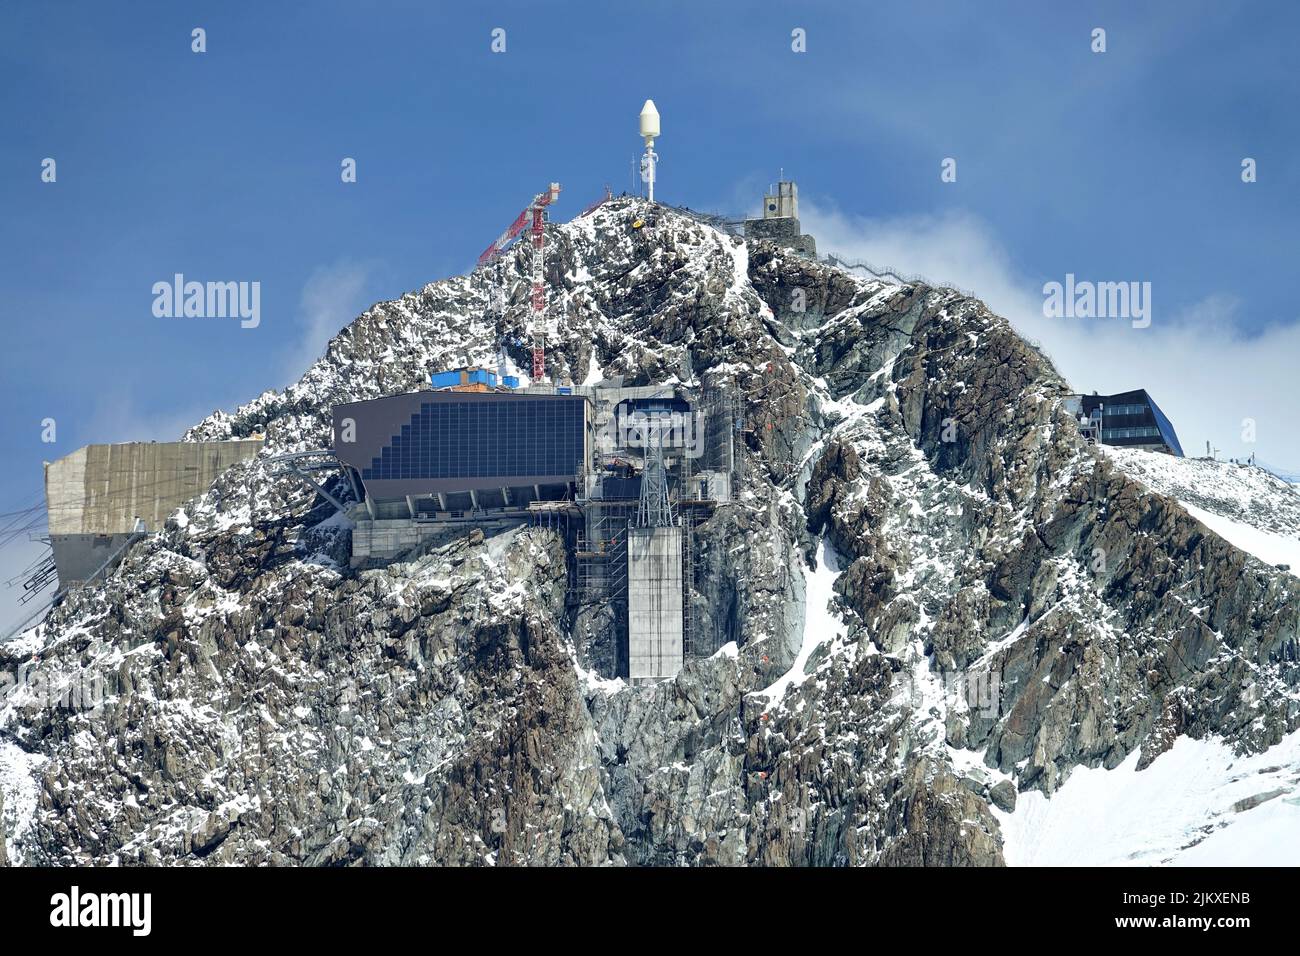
{"points": [[1246, 506], [20, 792], [822, 623], [1269, 546], [1198, 804]]}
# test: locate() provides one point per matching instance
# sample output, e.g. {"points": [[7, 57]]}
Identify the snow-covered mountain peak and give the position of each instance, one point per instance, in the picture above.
{"points": [[931, 596]]}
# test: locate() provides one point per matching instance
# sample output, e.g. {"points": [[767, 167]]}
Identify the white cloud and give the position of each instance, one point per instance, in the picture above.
{"points": [[331, 298], [117, 417], [1204, 373]]}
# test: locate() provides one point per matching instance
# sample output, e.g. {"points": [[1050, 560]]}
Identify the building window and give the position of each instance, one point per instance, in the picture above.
{"points": [[1145, 431]]}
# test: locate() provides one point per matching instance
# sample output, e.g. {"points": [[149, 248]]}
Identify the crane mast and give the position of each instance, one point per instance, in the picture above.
{"points": [[539, 295], [534, 211]]}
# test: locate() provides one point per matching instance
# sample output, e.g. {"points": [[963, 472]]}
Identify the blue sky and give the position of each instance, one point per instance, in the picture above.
{"points": [[225, 166]]}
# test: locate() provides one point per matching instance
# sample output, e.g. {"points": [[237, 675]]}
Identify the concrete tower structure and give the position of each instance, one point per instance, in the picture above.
{"points": [[654, 604], [654, 575], [782, 203]]}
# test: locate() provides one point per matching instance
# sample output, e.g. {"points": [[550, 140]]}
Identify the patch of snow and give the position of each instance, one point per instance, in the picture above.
{"points": [[337, 520], [1186, 808], [1268, 546], [18, 783], [593, 683], [821, 624], [970, 763], [508, 367], [498, 545], [1000, 644]]}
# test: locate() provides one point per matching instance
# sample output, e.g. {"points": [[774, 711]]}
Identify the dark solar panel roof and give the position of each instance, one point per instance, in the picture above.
{"points": [[476, 439]]}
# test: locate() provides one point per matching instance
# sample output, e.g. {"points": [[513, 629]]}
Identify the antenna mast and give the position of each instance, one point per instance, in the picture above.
{"points": [[649, 130]]}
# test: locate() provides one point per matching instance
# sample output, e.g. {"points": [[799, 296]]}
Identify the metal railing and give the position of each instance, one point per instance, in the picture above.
{"points": [[888, 272], [727, 224]]}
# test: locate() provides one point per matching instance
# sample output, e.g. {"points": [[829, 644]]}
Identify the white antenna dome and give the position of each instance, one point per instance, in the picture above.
{"points": [[649, 120]]}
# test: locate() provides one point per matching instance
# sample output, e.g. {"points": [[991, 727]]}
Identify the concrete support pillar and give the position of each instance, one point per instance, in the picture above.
{"points": [[654, 610]]}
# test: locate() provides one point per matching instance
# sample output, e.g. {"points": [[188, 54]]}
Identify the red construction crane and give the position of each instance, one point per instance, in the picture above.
{"points": [[535, 211]]}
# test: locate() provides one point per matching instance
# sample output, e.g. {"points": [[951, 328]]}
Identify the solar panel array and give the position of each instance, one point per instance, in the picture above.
{"points": [[518, 437]]}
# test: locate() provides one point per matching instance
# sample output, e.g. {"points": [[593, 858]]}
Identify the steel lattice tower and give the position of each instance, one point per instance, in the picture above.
{"points": [[654, 508]]}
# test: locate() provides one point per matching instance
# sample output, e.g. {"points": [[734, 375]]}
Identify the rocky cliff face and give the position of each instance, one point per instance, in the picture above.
{"points": [[933, 595]]}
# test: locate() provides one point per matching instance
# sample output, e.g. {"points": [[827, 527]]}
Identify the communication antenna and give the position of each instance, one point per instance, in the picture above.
{"points": [[649, 130]]}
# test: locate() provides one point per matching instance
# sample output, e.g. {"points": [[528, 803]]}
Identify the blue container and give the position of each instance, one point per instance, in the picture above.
{"points": [[510, 381], [444, 379], [563, 390]]}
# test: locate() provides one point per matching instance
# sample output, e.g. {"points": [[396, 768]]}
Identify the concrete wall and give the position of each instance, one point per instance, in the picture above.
{"points": [[784, 232], [383, 539], [782, 204], [654, 603], [102, 489], [78, 556], [95, 494], [387, 538]]}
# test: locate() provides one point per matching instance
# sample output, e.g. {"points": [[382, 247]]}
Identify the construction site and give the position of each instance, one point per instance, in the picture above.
{"points": [[626, 474]]}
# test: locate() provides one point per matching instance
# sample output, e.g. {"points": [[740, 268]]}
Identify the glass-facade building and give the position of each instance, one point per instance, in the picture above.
{"points": [[1132, 419], [432, 442]]}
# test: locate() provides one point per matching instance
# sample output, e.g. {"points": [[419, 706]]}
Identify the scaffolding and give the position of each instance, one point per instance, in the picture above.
{"points": [[636, 546], [691, 641], [600, 554]]}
